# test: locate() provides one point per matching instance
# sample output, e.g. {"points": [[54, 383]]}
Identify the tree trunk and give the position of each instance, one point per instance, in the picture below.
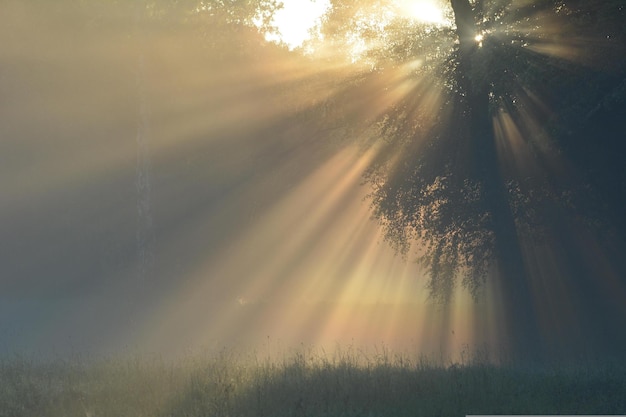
{"points": [[521, 327]]}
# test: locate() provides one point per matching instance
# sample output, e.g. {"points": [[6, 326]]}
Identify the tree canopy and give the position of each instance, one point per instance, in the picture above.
{"points": [[499, 134]]}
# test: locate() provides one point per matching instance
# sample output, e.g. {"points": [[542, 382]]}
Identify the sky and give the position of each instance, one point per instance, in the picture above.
{"points": [[297, 18]]}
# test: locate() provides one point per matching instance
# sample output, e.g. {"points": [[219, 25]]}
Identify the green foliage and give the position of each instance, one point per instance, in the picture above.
{"points": [[305, 383]]}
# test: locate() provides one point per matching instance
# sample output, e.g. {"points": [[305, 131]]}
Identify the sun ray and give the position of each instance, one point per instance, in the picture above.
{"points": [[257, 156]]}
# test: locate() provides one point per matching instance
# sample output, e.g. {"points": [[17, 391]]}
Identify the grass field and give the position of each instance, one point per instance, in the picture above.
{"points": [[304, 383]]}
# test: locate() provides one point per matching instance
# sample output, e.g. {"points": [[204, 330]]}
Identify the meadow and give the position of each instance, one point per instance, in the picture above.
{"points": [[305, 382]]}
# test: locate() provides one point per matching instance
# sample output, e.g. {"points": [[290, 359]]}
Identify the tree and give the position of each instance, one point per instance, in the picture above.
{"points": [[505, 243], [446, 176]]}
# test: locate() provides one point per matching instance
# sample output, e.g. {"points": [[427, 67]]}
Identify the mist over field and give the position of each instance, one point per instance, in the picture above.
{"points": [[161, 198], [173, 182]]}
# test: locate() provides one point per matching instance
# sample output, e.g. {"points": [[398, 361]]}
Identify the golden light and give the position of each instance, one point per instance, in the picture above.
{"points": [[314, 269], [428, 11], [295, 20], [257, 203]]}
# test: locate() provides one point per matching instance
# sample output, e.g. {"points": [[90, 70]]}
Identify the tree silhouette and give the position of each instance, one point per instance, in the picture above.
{"points": [[469, 152], [471, 121]]}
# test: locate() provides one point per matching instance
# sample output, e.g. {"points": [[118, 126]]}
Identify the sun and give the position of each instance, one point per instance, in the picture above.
{"points": [[479, 39], [428, 11], [295, 20]]}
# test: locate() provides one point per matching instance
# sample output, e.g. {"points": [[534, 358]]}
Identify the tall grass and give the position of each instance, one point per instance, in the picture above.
{"points": [[304, 383]]}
